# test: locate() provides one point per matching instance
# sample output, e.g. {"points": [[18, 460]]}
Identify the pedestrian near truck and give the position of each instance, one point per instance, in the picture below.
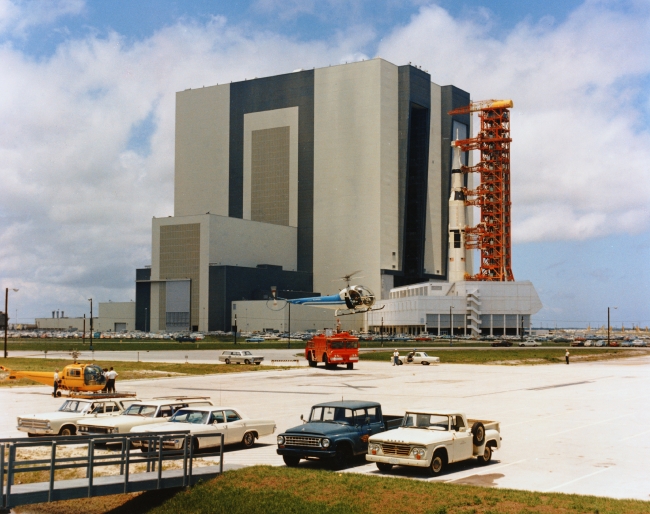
{"points": [[111, 375], [395, 357], [566, 355], [56, 382]]}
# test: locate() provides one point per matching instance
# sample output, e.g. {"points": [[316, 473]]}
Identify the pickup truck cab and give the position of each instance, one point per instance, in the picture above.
{"points": [[74, 410], [433, 439], [335, 432]]}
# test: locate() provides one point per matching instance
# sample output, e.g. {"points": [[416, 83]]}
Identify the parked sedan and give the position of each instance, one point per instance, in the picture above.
{"points": [[419, 358], [211, 421], [240, 357], [502, 343], [186, 339], [255, 339], [529, 342], [639, 343], [602, 342]]}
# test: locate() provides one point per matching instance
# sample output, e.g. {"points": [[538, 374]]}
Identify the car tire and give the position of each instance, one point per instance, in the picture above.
{"points": [[32, 435], [312, 364], [58, 394], [438, 463], [227, 361], [478, 431], [67, 430], [291, 460], [384, 467], [350, 365], [342, 457], [425, 363], [486, 457], [246, 361], [248, 440]]}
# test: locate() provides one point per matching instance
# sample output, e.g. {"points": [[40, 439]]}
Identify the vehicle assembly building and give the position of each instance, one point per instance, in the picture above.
{"points": [[295, 180]]}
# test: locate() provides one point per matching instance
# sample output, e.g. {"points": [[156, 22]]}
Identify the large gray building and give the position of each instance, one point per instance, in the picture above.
{"points": [[296, 180]]}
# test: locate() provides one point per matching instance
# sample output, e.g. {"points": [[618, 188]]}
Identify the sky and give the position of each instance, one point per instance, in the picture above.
{"points": [[87, 106]]}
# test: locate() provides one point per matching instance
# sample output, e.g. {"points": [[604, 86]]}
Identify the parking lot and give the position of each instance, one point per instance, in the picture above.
{"points": [[582, 428]]}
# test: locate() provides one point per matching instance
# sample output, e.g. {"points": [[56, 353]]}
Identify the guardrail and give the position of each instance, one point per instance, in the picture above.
{"points": [[160, 448]]}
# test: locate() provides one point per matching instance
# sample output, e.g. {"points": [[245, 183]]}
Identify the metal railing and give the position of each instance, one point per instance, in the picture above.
{"points": [[157, 448]]}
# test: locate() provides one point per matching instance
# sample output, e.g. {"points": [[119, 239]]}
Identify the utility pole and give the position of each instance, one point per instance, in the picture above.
{"points": [[91, 323], [84, 332], [608, 325], [289, 343], [451, 325], [7, 315]]}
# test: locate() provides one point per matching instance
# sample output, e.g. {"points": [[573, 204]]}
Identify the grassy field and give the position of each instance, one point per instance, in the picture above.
{"points": [[126, 370], [281, 490], [514, 355]]}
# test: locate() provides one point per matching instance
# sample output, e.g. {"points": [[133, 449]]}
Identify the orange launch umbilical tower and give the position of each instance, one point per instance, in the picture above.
{"points": [[492, 235]]}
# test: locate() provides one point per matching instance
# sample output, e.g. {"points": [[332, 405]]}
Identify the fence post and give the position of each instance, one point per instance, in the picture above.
{"points": [[185, 484], [91, 457], [189, 476], [10, 473], [221, 456], [160, 455], [2, 473], [52, 470], [126, 466], [124, 442]]}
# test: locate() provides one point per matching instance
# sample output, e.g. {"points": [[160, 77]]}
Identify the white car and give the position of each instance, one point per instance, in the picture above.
{"points": [[240, 357], [419, 358], [139, 413], [74, 410], [433, 439], [530, 342], [211, 420]]}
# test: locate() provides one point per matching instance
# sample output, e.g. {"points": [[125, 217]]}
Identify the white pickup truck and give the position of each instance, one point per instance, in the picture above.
{"points": [[433, 439], [65, 420]]}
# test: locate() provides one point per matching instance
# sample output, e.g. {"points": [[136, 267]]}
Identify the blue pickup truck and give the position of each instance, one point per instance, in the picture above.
{"points": [[335, 432]]}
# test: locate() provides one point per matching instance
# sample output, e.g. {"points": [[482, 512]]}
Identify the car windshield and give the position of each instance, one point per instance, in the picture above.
{"points": [[74, 406], [146, 411], [427, 421], [332, 415], [190, 416]]}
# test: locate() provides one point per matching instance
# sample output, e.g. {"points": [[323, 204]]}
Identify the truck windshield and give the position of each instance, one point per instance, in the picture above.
{"points": [[74, 406], [332, 415], [433, 421], [339, 345], [146, 411]]}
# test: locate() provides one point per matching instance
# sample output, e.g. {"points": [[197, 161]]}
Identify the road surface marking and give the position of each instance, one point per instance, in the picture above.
{"points": [[589, 425], [575, 480]]}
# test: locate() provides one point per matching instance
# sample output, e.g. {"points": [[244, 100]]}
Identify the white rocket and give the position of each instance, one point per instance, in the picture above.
{"points": [[457, 224]]}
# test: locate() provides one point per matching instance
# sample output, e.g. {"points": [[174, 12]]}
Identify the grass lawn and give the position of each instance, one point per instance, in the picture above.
{"points": [[281, 490], [126, 370], [513, 355]]}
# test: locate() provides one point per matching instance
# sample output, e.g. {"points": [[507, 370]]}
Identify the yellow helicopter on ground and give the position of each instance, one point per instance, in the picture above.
{"points": [[74, 378]]}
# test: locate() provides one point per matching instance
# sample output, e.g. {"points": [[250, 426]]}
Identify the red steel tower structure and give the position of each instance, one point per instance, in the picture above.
{"points": [[492, 235]]}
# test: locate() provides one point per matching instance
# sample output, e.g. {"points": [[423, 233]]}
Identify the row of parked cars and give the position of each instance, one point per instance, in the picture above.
{"points": [[334, 432]]}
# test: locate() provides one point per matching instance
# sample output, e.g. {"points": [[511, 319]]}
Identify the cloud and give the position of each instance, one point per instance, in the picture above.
{"points": [[580, 126], [18, 16]]}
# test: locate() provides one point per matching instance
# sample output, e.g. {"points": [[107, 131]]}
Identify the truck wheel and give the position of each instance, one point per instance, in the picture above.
{"points": [[342, 458], [248, 440], [478, 430], [67, 430], [384, 467], [350, 365], [486, 457], [312, 364], [246, 361], [227, 361], [437, 464], [291, 460]]}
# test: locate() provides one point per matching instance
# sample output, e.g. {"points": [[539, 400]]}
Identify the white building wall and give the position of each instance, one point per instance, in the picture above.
{"points": [[201, 176], [355, 172], [433, 262]]}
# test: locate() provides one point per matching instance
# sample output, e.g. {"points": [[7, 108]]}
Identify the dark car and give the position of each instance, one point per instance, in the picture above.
{"points": [[502, 343], [186, 339]]}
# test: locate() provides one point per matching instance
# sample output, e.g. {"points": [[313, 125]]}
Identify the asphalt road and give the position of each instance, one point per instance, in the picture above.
{"points": [[582, 428]]}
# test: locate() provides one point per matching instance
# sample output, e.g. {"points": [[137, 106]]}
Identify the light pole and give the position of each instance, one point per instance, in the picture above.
{"points": [[289, 343], [382, 331], [608, 329], [91, 323], [7, 315], [451, 325]]}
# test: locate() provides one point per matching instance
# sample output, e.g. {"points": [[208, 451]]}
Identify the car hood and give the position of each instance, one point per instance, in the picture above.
{"points": [[55, 415], [411, 436], [323, 429], [162, 426], [113, 421]]}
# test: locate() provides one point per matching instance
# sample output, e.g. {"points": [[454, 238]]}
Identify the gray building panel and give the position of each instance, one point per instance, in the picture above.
{"points": [[265, 94]]}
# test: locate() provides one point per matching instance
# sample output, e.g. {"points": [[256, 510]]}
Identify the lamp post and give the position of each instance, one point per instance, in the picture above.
{"points": [[382, 331], [91, 323], [451, 325], [608, 326], [7, 315], [289, 343]]}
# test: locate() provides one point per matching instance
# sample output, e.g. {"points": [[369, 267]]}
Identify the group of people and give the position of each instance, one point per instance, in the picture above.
{"points": [[110, 375]]}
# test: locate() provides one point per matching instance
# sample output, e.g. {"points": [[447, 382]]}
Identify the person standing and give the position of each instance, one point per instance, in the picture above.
{"points": [[566, 355], [56, 382], [110, 380], [395, 357]]}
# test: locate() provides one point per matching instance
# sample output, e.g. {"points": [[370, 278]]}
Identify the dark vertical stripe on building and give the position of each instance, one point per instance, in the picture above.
{"points": [[451, 98], [142, 299], [414, 97], [265, 94]]}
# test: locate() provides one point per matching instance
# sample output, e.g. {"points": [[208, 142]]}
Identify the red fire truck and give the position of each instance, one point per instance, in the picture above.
{"points": [[333, 348]]}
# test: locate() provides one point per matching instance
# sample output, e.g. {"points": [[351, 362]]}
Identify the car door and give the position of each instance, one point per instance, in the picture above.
{"points": [[462, 439], [216, 423], [235, 427], [373, 422]]}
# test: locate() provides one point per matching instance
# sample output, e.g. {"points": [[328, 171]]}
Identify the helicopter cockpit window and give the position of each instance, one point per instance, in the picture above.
{"points": [[93, 375]]}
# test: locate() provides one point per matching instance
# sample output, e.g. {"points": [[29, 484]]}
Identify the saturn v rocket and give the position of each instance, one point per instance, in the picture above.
{"points": [[457, 223]]}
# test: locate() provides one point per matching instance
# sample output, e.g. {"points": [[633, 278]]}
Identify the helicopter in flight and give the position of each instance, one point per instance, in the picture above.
{"points": [[74, 378], [352, 299]]}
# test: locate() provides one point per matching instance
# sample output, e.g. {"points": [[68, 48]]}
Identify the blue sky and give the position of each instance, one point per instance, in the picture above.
{"points": [[87, 118]]}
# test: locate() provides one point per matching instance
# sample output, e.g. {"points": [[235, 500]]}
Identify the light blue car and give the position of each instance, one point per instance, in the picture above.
{"points": [[255, 339]]}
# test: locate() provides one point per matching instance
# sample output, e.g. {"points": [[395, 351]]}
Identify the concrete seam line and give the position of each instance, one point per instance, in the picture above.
{"points": [[575, 480]]}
